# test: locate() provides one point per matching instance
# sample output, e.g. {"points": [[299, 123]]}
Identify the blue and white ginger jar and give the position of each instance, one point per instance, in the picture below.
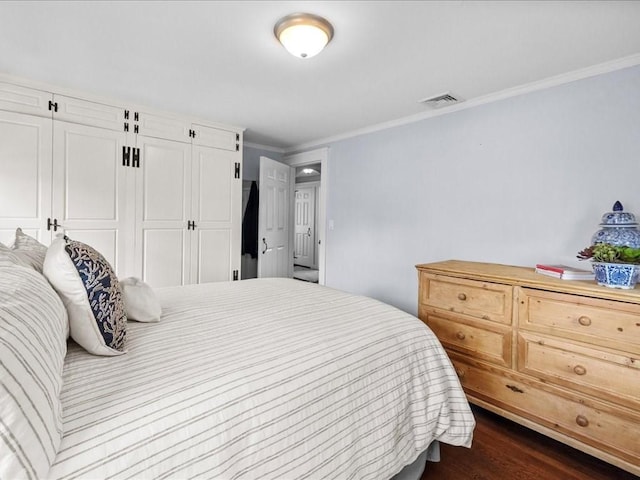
{"points": [[618, 228]]}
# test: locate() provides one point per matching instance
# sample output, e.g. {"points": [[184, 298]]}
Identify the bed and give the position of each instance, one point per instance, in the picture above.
{"points": [[254, 379]]}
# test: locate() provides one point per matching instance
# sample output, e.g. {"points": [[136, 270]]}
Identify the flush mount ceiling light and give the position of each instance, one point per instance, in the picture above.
{"points": [[303, 34]]}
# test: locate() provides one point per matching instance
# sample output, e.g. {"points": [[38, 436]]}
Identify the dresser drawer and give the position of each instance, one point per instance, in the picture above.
{"points": [[482, 300], [595, 321], [492, 345], [594, 423], [602, 373]]}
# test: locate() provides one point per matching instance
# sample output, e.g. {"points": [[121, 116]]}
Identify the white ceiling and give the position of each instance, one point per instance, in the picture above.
{"points": [[219, 60]]}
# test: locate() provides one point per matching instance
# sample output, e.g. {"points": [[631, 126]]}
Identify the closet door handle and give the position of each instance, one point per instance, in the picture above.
{"points": [[309, 231], [264, 240]]}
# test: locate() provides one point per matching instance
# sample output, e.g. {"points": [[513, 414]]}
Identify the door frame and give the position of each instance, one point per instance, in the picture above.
{"points": [[320, 156]]}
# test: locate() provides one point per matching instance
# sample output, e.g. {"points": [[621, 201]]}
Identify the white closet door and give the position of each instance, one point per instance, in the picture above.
{"points": [[216, 137], [161, 126], [91, 199], [15, 98], [25, 175], [76, 110], [217, 196], [163, 207]]}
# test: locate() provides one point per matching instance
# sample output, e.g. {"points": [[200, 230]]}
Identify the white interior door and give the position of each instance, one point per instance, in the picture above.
{"points": [[305, 228], [320, 156], [274, 257]]}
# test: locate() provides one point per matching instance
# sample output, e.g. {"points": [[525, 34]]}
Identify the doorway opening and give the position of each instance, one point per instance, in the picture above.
{"points": [[305, 222], [316, 161]]}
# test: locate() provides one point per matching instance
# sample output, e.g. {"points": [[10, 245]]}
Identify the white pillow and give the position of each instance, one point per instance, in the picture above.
{"points": [[91, 294], [30, 250], [140, 302], [33, 344], [9, 258]]}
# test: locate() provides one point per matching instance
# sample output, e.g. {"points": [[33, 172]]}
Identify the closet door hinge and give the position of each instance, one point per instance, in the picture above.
{"points": [[135, 163], [53, 106], [54, 224], [237, 171], [237, 142], [235, 274], [191, 225], [126, 151]]}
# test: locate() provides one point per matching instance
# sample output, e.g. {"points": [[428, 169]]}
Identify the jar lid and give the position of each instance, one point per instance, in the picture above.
{"points": [[618, 217]]}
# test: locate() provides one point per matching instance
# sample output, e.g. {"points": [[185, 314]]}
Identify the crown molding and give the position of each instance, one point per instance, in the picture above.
{"points": [[268, 148], [106, 100], [602, 68]]}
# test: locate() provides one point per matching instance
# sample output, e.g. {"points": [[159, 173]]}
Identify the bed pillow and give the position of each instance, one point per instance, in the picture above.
{"points": [[140, 301], [91, 294], [33, 344], [29, 249], [8, 257]]}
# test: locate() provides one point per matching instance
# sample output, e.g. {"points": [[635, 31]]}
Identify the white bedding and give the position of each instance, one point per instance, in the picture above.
{"points": [[261, 379]]}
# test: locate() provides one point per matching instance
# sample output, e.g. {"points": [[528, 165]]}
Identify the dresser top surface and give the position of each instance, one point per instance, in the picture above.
{"points": [[527, 277]]}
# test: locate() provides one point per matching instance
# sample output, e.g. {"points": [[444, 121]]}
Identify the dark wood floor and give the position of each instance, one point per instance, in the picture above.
{"points": [[504, 450]]}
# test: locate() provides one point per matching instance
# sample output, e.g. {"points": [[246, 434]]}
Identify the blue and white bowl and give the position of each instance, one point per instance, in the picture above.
{"points": [[616, 275]]}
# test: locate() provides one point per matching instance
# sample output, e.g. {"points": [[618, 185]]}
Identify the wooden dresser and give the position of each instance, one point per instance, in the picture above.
{"points": [[561, 357]]}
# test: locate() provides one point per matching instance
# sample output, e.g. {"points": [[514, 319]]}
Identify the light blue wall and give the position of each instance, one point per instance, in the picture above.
{"points": [[517, 181], [251, 161]]}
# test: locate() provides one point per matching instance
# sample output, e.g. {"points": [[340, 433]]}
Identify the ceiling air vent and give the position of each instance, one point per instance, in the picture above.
{"points": [[439, 101]]}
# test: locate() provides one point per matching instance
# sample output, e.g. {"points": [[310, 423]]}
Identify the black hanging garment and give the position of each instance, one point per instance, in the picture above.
{"points": [[250, 223]]}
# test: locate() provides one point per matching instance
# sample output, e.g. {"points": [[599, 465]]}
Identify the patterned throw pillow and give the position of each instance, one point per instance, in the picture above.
{"points": [[30, 250], [33, 344], [91, 293]]}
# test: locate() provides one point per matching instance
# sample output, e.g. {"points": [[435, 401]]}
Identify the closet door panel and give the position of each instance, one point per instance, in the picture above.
{"points": [[163, 202], [216, 137], [164, 127], [216, 207], [213, 255], [25, 175], [213, 176], [164, 259], [76, 110], [90, 194], [15, 98]]}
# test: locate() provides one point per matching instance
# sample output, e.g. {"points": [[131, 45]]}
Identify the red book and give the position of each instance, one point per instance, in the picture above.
{"points": [[554, 268], [564, 271]]}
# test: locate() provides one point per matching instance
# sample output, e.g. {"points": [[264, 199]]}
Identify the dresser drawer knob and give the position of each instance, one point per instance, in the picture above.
{"points": [[584, 321], [582, 421], [460, 373], [579, 370], [462, 297], [460, 336]]}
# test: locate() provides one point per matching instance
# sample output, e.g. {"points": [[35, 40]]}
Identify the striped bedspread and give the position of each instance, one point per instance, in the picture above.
{"points": [[261, 379]]}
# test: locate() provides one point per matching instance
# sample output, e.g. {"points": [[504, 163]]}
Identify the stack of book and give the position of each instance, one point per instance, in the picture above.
{"points": [[564, 272]]}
